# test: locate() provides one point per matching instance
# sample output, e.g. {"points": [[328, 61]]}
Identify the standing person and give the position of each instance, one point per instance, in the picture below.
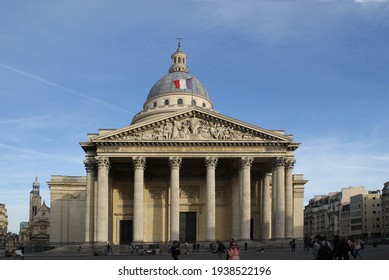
{"points": [[351, 246], [335, 243], [233, 252], [221, 249], [293, 245], [308, 244], [175, 250]]}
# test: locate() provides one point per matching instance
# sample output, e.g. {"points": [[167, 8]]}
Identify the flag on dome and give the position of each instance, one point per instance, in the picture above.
{"points": [[183, 83]]}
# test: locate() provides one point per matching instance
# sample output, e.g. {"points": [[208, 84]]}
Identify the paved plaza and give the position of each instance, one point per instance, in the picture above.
{"points": [[369, 253]]}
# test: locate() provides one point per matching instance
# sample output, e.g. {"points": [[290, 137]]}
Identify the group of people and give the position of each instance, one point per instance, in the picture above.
{"points": [[339, 249], [231, 253]]}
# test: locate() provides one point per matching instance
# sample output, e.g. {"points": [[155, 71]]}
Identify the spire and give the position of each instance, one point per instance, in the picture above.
{"points": [[35, 186], [178, 60]]}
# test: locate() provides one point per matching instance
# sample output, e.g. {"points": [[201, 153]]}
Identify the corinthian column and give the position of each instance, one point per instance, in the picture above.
{"points": [[280, 198], [235, 208], [246, 203], [90, 167], [175, 164], [210, 163], [102, 200], [289, 198], [138, 228], [266, 208]]}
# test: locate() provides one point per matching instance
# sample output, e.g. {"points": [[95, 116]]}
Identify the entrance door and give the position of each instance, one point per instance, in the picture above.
{"points": [[188, 227], [125, 231]]}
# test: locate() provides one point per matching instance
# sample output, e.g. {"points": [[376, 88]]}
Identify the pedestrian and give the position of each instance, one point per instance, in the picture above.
{"points": [[221, 249], [233, 252], [293, 245], [198, 247], [193, 247], [308, 244], [322, 249], [357, 249], [351, 246], [175, 250], [342, 252]]}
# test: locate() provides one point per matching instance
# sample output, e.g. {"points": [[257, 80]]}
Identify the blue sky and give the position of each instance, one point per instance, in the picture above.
{"points": [[318, 70]]}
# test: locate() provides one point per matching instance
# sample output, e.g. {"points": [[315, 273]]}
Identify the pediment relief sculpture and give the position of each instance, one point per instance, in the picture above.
{"points": [[191, 128]]}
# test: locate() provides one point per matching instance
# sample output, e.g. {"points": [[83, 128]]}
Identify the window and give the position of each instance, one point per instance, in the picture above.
{"points": [[204, 105], [166, 102], [180, 101], [193, 102], [155, 105]]}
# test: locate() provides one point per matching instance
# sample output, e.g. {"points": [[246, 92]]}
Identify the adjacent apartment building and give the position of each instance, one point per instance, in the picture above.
{"points": [[385, 210], [3, 222], [351, 212]]}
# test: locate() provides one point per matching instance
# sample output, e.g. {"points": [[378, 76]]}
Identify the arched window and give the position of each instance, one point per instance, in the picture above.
{"points": [[179, 59], [166, 102], [204, 105], [175, 60], [193, 102], [180, 101], [155, 105]]}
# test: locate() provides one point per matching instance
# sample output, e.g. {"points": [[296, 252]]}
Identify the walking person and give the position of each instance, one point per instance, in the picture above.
{"points": [[233, 252], [322, 249], [175, 250], [221, 249], [357, 249]]}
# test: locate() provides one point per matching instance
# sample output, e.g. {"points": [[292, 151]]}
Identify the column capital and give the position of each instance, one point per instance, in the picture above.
{"points": [[279, 161], [175, 162], [211, 161], [139, 162], [90, 165], [103, 162], [246, 162], [289, 164]]}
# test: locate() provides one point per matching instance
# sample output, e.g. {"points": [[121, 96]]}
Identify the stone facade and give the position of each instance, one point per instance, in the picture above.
{"points": [[67, 203], [182, 171]]}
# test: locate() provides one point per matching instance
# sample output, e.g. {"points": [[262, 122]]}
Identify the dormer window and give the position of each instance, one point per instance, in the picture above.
{"points": [[180, 101], [166, 102]]}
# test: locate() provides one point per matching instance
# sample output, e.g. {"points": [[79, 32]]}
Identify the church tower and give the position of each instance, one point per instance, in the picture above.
{"points": [[35, 200]]}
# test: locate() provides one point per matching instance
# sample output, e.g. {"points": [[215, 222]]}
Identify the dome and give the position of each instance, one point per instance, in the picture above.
{"points": [[174, 91], [166, 85]]}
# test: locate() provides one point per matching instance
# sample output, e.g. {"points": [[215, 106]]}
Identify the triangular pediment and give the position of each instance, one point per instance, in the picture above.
{"points": [[193, 124]]}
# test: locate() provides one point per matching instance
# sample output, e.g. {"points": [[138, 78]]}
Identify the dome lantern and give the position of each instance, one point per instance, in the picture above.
{"points": [[178, 61]]}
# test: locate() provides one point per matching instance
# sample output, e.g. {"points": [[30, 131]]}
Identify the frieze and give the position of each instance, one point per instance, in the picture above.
{"points": [[188, 149]]}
